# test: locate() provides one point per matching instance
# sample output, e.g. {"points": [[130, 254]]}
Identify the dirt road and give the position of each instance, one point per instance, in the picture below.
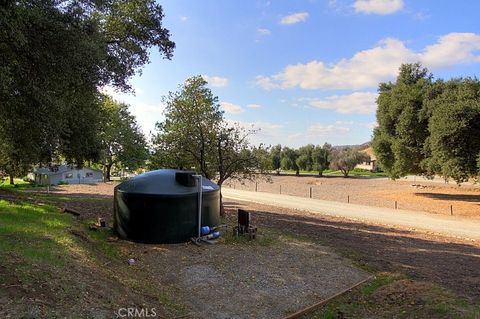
{"points": [[445, 225]]}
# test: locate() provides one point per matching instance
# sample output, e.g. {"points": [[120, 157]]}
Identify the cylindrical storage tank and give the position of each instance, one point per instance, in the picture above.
{"points": [[162, 207]]}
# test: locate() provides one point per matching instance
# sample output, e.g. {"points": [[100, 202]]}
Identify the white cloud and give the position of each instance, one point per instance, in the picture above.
{"points": [[367, 68], [266, 82], [357, 102], [343, 122], [216, 81], [382, 7], [264, 126], [183, 18], [294, 18], [147, 114], [254, 106], [231, 108], [263, 31], [266, 132], [371, 125], [451, 49], [326, 130]]}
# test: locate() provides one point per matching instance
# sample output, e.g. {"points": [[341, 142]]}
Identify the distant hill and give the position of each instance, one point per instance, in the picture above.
{"points": [[358, 147]]}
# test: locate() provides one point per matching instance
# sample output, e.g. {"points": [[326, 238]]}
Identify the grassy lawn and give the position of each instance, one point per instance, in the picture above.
{"points": [[19, 183], [34, 233]]}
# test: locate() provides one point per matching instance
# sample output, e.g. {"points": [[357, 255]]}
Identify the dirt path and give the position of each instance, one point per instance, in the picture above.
{"points": [[449, 262], [445, 225]]}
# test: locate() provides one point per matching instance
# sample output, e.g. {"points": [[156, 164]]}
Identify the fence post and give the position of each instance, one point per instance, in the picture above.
{"points": [[396, 205], [280, 188], [310, 192], [451, 210], [348, 199], [256, 186]]}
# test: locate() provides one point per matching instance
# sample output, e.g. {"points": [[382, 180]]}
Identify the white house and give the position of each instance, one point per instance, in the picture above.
{"points": [[68, 174], [371, 164]]}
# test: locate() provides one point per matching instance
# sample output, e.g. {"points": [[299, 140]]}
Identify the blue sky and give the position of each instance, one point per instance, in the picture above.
{"points": [[305, 71]]}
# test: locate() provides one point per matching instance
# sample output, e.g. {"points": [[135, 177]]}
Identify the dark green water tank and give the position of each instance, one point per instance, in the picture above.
{"points": [[161, 207]]}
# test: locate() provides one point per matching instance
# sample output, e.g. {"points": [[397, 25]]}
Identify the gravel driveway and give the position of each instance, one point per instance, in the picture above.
{"points": [[445, 225], [233, 281]]}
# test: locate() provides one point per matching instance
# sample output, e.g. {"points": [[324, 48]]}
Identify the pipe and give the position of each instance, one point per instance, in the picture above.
{"points": [[199, 203]]}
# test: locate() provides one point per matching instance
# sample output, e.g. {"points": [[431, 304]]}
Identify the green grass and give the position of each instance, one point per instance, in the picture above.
{"points": [[33, 233], [100, 240], [55, 257], [19, 183]]}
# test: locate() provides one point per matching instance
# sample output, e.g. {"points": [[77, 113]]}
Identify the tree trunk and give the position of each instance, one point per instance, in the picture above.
{"points": [[222, 208], [108, 168], [297, 172], [12, 182]]}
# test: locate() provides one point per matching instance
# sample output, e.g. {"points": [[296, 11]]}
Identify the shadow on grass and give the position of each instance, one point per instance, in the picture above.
{"points": [[89, 205], [449, 264]]}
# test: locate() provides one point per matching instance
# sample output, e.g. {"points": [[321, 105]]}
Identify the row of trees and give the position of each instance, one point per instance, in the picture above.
{"points": [[427, 126], [55, 56], [314, 158]]}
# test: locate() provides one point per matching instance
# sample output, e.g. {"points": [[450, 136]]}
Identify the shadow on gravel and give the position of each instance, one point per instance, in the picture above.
{"points": [[449, 263], [453, 197]]}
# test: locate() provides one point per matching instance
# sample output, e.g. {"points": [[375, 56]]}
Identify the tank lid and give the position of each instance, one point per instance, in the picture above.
{"points": [[163, 182]]}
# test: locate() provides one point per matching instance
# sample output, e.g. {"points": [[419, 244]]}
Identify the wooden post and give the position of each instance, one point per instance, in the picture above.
{"points": [[451, 210], [280, 188], [396, 205], [348, 199], [310, 192], [256, 186]]}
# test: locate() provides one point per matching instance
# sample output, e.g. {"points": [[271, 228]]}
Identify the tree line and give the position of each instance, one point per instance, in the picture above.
{"points": [[428, 127], [315, 158]]}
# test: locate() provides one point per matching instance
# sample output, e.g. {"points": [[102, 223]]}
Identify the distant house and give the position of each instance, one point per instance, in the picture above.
{"points": [[371, 164], [55, 175]]}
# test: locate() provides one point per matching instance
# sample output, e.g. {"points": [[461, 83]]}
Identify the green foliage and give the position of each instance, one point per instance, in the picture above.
{"points": [[428, 127], [123, 143], [187, 137], [402, 129], [303, 162], [305, 159], [289, 160], [54, 57], [321, 158], [276, 158], [346, 160], [195, 135], [453, 147]]}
